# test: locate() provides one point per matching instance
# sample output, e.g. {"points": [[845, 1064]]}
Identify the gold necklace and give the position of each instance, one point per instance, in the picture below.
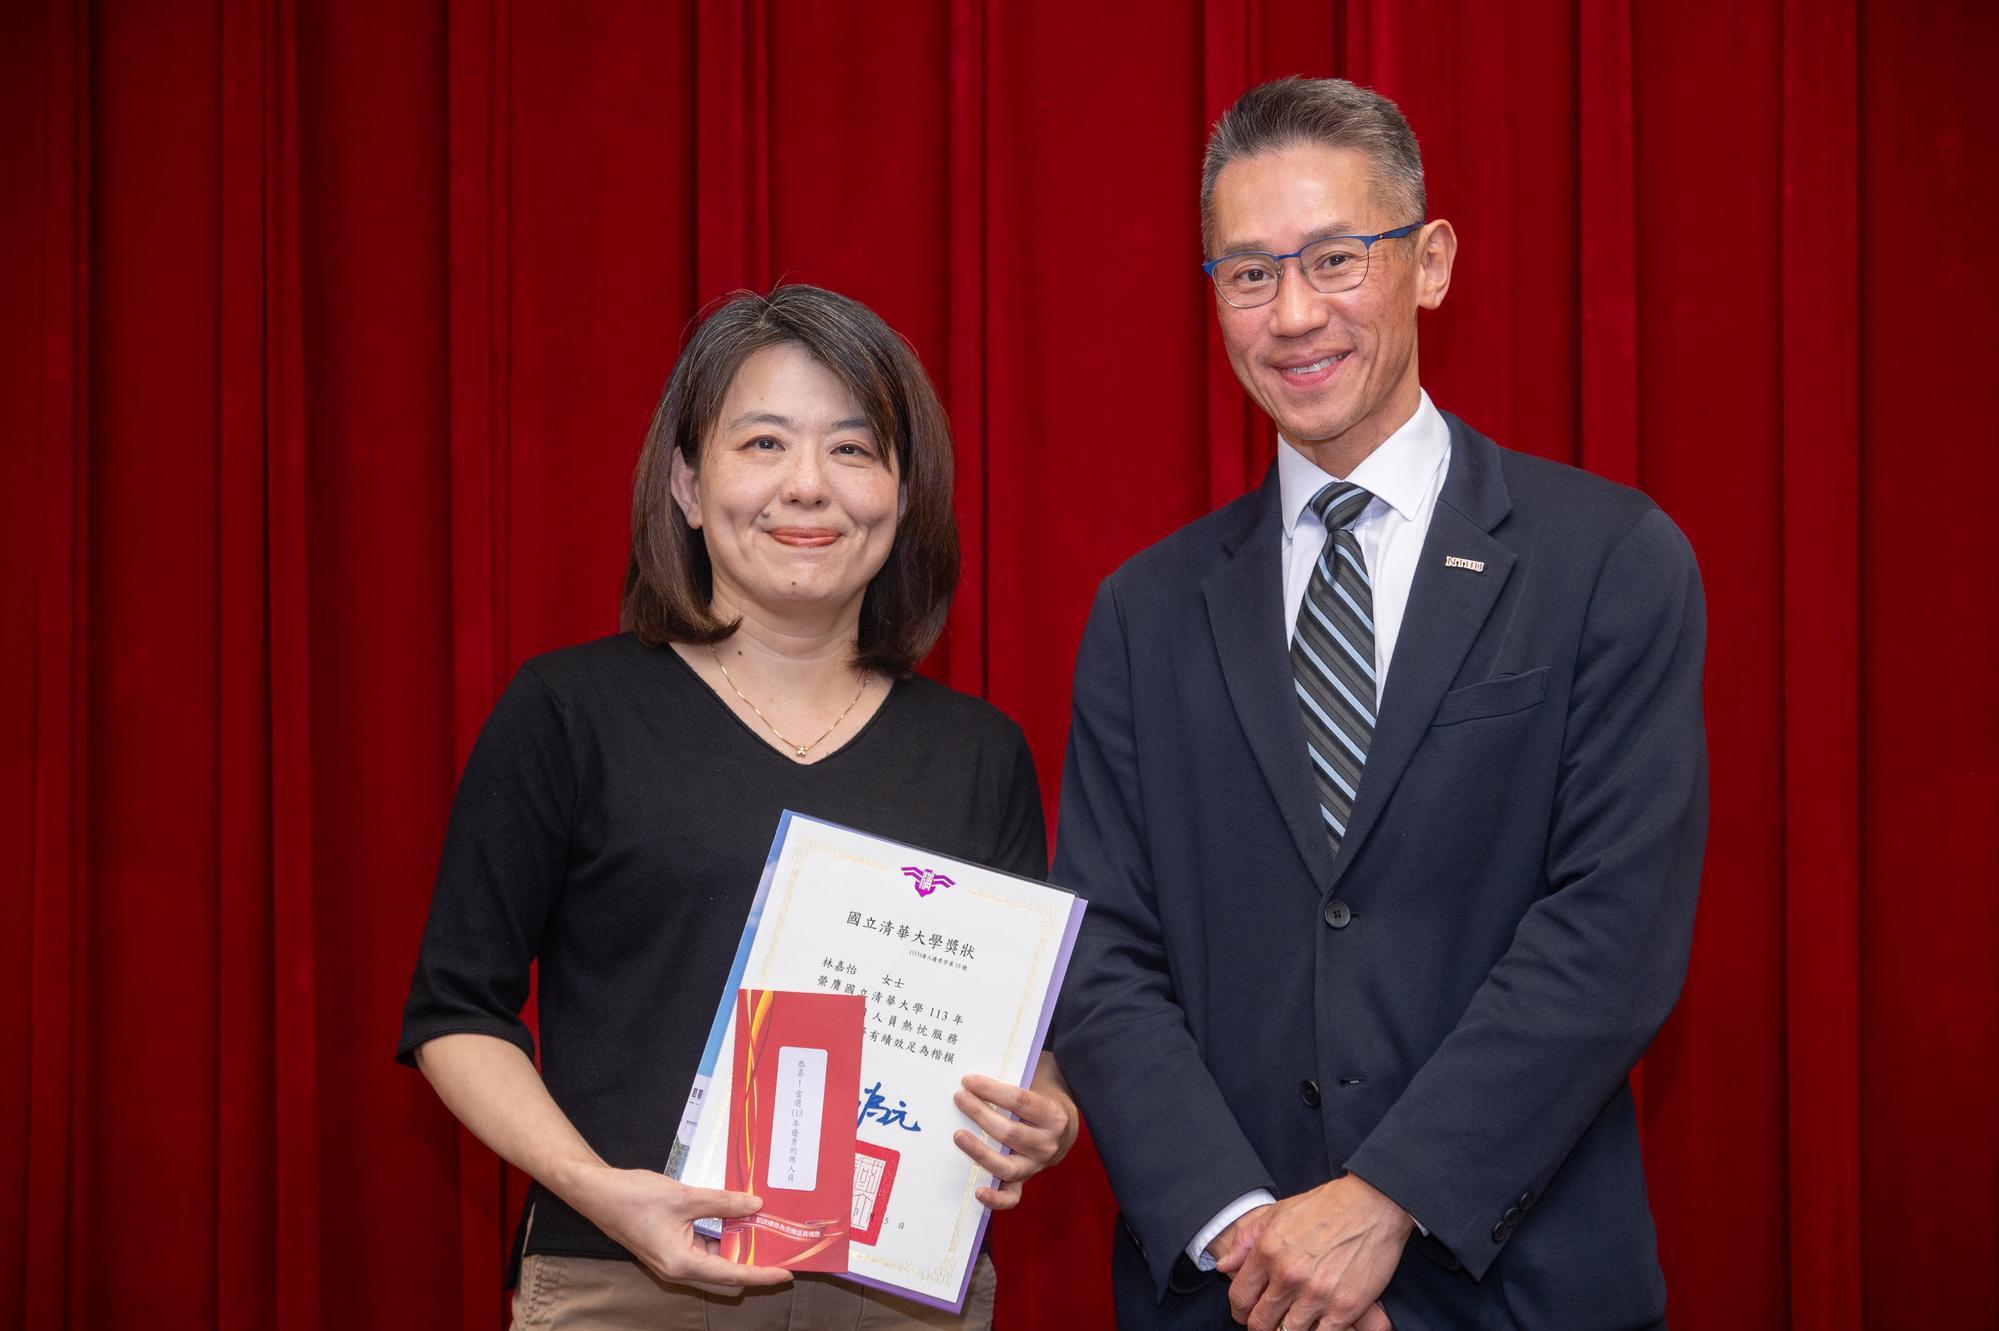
{"points": [[797, 749]]}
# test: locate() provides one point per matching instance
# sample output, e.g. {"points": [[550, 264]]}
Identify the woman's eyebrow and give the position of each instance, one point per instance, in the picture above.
{"points": [[786, 423], [761, 418]]}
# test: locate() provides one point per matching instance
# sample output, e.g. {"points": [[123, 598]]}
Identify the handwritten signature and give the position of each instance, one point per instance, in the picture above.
{"points": [[875, 1107]]}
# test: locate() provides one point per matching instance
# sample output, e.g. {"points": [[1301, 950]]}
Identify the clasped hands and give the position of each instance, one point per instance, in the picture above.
{"points": [[653, 1216], [1319, 1259]]}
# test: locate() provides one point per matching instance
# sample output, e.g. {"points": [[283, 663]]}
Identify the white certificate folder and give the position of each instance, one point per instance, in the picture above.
{"points": [[959, 965]]}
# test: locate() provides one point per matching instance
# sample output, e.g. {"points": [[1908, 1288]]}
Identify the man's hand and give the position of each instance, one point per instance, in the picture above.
{"points": [[653, 1217], [1239, 1233], [1320, 1259]]}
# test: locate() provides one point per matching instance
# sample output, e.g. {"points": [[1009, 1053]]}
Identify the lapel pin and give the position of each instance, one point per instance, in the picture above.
{"points": [[1455, 561]]}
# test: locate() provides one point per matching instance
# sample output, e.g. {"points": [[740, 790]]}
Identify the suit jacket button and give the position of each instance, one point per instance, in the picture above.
{"points": [[1500, 1232], [1308, 1091], [1526, 1200], [1511, 1218], [1337, 914]]}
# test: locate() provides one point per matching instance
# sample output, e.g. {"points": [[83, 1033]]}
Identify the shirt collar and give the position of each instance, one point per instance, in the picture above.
{"points": [[1399, 472]]}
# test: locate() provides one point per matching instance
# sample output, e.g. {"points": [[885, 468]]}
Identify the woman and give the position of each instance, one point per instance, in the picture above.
{"points": [[793, 555]]}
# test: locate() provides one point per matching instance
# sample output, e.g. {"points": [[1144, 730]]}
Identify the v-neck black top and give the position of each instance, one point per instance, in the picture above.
{"points": [[612, 824]]}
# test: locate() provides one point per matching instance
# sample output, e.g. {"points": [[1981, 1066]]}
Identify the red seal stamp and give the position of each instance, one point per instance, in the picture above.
{"points": [[874, 1177]]}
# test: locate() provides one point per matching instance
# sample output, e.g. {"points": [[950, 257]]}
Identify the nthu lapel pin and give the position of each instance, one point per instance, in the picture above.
{"points": [[1457, 561]]}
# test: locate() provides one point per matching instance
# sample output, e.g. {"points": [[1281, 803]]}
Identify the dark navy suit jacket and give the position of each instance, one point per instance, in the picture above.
{"points": [[1451, 1010]]}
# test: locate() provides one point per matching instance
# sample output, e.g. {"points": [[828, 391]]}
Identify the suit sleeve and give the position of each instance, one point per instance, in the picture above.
{"points": [[1122, 1038], [1596, 964]]}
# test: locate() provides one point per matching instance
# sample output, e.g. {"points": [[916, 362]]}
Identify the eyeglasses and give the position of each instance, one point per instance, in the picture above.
{"points": [[1332, 265]]}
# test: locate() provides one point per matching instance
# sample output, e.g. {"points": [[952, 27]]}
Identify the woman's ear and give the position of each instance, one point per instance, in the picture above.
{"points": [[681, 479]]}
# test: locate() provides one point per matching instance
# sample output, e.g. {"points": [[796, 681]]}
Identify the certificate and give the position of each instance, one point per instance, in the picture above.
{"points": [[958, 967]]}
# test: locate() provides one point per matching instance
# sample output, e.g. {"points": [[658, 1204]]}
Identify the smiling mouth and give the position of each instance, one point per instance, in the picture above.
{"points": [[1319, 366], [806, 538]]}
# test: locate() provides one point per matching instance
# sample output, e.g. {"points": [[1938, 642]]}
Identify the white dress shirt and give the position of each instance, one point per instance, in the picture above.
{"points": [[1405, 475]]}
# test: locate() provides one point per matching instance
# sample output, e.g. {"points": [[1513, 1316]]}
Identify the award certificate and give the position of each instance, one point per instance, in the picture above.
{"points": [[957, 967]]}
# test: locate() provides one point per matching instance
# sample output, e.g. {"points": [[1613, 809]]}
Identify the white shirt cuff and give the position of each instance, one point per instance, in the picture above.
{"points": [[1228, 1215]]}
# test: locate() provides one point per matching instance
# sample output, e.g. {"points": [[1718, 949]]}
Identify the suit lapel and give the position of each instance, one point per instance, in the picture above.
{"points": [[1447, 608], [1246, 610]]}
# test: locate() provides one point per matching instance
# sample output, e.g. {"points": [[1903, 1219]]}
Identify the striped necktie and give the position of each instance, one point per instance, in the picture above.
{"points": [[1332, 658]]}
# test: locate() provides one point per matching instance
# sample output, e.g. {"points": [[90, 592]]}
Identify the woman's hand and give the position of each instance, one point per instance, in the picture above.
{"points": [[495, 1091], [1037, 1126], [653, 1217]]}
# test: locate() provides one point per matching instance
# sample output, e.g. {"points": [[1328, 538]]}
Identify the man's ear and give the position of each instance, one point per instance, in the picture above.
{"points": [[680, 479], [1436, 251]]}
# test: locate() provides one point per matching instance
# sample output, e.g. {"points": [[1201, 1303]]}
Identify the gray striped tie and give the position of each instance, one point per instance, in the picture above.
{"points": [[1332, 658]]}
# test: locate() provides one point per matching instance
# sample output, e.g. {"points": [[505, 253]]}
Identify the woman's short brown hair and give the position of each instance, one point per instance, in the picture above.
{"points": [[669, 583]]}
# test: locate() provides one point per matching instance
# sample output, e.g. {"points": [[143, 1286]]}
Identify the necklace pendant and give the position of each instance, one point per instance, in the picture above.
{"points": [[800, 750]]}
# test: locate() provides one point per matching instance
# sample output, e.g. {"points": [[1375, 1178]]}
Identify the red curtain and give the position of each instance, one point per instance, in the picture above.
{"points": [[328, 332]]}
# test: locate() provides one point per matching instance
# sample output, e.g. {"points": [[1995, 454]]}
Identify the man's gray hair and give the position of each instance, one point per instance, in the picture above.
{"points": [[1286, 112]]}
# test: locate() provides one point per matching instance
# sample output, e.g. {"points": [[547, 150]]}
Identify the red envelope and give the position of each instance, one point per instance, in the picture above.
{"points": [[797, 1066]]}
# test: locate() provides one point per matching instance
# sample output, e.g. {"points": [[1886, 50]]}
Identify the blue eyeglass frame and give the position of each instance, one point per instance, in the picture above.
{"points": [[1277, 260]]}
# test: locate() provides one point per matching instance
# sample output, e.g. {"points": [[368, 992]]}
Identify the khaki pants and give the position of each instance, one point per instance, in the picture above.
{"points": [[595, 1294]]}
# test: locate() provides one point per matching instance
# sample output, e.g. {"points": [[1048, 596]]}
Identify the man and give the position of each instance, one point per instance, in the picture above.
{"points": [[1387, 787]]}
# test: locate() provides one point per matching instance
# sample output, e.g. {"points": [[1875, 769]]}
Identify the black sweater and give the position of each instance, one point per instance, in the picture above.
{"points": [[611, 825]]}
